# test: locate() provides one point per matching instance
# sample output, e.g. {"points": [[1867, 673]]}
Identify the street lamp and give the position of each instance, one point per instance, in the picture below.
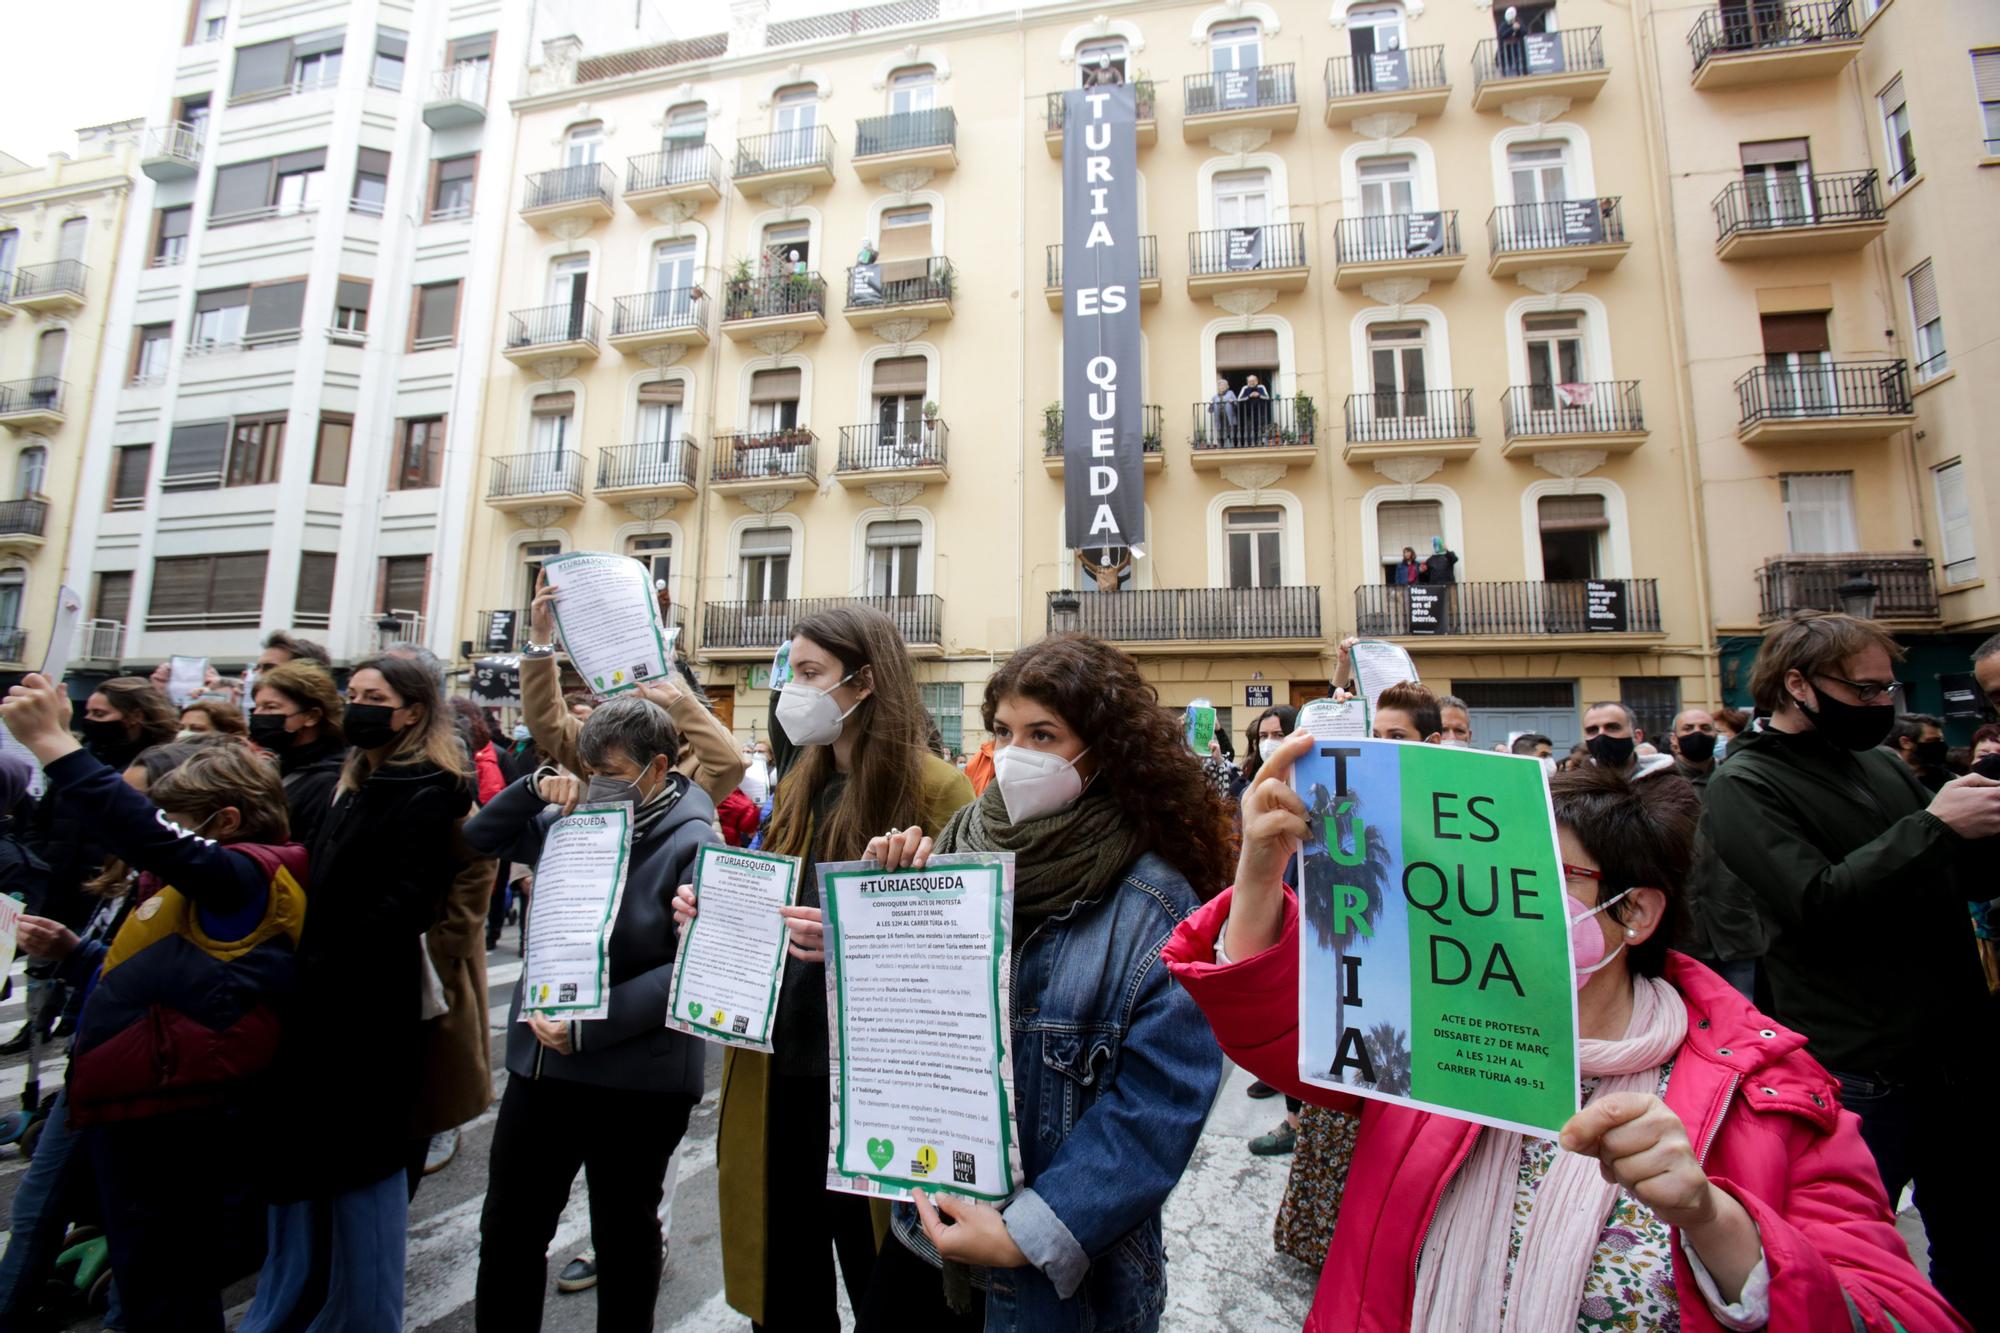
{"points": [[1857, 596], [385, 629]]}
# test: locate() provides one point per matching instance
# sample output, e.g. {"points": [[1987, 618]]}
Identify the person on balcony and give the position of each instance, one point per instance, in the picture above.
{"points": [[1222, 411], [1256, 406], [1409, 570]]}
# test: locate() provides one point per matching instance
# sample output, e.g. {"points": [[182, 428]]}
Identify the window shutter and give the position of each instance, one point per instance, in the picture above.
{"points": [[114, 596], [669, 392], [456, 168], [896, 532], [353, 295], [1256, 349], [195, 452], [392, 43], [1801, 331], [896, 375], [1410, 523], [276, 307], [765, 541], [1892, 96], [221, 298], [1923, 294], [372, 162], [49, 349], [174, 222], [239, 584], [241, 187], [180, 587], [1572, 513], [403, 581], [262, 68], [311, 160], [473, 48], [437, 311], [1954, 513], [1770, 152], [554, 404], [318, 43], [1986, 75], [776, 386], [315, 595], [134, 462]]}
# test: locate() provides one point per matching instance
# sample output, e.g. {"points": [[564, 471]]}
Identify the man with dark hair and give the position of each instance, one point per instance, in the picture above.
{"points": [[1611, 733], [1986, 669], [1534, 743], [1918, 740], [1864, 875], [1722, 927], [282, 646]]}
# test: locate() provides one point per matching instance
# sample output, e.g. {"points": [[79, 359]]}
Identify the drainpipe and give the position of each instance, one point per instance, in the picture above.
{"points": [[1021, 350], [704, 499], [1670, 281]]}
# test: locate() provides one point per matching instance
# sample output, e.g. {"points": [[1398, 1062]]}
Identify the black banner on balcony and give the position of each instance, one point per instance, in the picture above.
{"points": [[1425, 235], [1604, 607], [1582, 222], [864, 284], [1543, 52], [500, 631], [1962, 696], [1426, 609], [1389, 70], [1103, 459], [1236, 88], [1245, 248]]}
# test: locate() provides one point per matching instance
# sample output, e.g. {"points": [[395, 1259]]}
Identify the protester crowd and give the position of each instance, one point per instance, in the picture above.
{"points": [[1778, 920]]}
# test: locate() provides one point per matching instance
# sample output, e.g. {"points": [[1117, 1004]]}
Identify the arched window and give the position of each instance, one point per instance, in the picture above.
{"points": [[50, 349], [1235, 46], [687, 127], [654, 550], [1555, 343], [764, 558], [31, 472], [1256, 538], [1399, 370], [794, 127], [1406, 525], [898, 392], [894, 546], [1573, 532], [583, 145], [912, 89]]}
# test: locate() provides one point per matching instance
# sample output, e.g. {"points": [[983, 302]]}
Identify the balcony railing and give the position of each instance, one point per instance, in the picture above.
{"points": [[765, 625], [659, 312], [1238, 90], [1170, 615], [64, 275], [549, 325], [1773, 202], [557, 472], [1769, 25], [1053, 113], [13, 644], [1152, 430], [783, 294], [1518, 608], [1831, 389], [1555, 224], [1149, 261], [878, 448], [1348, 77], [1385, 237], [655, 463], [23, 518], [1905, 585], [1538, 55], [683, 164], [1247, 249], [100, 640], [901, 282], [585, 183], [465, 81], [1254, 423], [905, 131], [1392, 416], [784, 150], [179, 141], [1607, 407], [384, 628], [43, 393], [790, 454]]}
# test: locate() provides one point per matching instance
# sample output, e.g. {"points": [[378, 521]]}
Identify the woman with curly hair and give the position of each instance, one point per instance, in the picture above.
{"points": [[1117, 837]]}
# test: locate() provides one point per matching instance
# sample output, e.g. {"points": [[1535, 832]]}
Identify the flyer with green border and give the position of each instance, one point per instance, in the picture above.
{"points": [[613, 664], [718, 1009], [897, 1031], [559, 896]]}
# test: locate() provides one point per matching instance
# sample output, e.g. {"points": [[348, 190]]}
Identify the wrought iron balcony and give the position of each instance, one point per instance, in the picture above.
{"points": [[33, 402], [653, 465], [550, 475], [23, 518], [1570, 62], [1174, 617], [1607, 413], [885, 290], [910, 447], [757, 628], [1764, 41], [1514, 609], [1220, 92], [1399, 417], [652, 319], [1519, 236], [1391, 245], [1253, 423], [586, 190], [1411, 79], [56, 286], [571, 326], [1885, 587], [1151, 435], [1149, 264], [1769, 216], [1054, 114], [1267, 256], [13, 644], [687, 170], [904, 139], [750, 459], [804, 154], [781, 296], [1856, 399], [173, 152]]}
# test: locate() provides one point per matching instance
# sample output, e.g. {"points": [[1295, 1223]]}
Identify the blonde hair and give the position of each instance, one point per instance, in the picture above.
{"points": [[432, 739], [308, 686], [216, 776]]}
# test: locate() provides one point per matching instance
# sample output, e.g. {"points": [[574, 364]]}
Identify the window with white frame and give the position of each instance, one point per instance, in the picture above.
{"points": [[1954, 515], [894, 546], [1235, 46], [31, 472], [209, 18], [554, 424], [794, 127], [1107, 51], [316, 60], [1402, 525], [945, 702], [1388, 185], [1539, 172], [569, 280], [659, 417], [1256, 539], [673, 281], [913, 89], [1819, 512], [1555, 355], [1986, 87], [1928, 323], [774, 399], [391, 49], [686, 128], [13, 583], [788, 247], [654, 550], [1398, 369], [897, 386], [533, 556], [765, 564], [1902, 147], [1242, 198], [583, 146]]}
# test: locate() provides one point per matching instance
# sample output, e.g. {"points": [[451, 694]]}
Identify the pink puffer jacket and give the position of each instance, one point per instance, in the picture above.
{"points": [[1764, 1116]]}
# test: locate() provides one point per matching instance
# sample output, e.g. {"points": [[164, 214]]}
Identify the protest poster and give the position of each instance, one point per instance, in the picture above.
{"points": [[187, 677], [500, 631], [1389, 71], [1434, 934], [1245, 248], [1582, 222], [496, 682], [1604, 607], [918, 1020], [1426, 609], [1423, 234], [1199, 727], [1333, 719], [1377, 666], [62, 634], [1543, 52], [609, 618], [579, 883], [731, 958]]}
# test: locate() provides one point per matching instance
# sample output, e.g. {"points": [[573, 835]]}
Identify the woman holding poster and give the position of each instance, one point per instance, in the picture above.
{"points": [[1116, 836], [1710, 1182]]}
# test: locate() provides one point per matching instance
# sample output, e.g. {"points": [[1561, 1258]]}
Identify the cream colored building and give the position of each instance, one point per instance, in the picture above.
{"points": [[1830, 167], [59, 233], [660, 386]]}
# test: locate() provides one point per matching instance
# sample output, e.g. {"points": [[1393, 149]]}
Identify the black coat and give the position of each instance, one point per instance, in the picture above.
{"points": [[311, 776], [350, 1063]]}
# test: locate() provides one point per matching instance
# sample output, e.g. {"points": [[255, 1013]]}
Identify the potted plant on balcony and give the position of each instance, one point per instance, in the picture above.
{"points": [[1306, 417], [945, 274], [1052, 427], [930, 413]]}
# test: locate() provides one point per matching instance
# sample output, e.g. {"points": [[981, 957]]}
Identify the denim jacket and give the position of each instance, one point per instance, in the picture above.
{"points": [[1115, 1070]]}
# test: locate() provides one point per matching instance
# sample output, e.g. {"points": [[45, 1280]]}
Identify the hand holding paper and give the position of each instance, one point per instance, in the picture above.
{"points": [[38, 714], [970, 1232]]}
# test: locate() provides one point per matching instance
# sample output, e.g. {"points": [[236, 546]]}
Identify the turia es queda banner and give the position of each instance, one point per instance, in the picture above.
{"points": [[1103, 458], [1434, 933]]}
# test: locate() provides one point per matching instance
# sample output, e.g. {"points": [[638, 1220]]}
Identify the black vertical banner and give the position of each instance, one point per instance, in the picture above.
{"points": [[1103, 463]]}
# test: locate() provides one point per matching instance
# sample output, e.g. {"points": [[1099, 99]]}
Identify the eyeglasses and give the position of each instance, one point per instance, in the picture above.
{"points": [[1867, 691]]}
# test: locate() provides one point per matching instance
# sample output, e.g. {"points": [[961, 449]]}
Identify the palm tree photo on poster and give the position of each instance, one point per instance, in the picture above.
{"points": [[1360, 878]]}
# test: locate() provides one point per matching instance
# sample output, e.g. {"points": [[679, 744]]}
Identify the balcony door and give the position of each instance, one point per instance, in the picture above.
{"points": [[1247, 360], [533, 556], [1777, 181], [1573, 529], [1798, 364], [1388, 196], [765, 566], [794, 120], [912, 90], [1255, 539], [583, 146], [1373, 28], [31, 471], [1819, 512], [659, 425], [569, 285], [1242, 198], [551, 435], [656, 552], [1555, 357], [898, 390], [1397, 364], [1235, 46], [686, 132], [71, 237], [673, 279], [12, 584], [774, 401], [894, 547], [1109, 52], [787, 248], [50, 349]]}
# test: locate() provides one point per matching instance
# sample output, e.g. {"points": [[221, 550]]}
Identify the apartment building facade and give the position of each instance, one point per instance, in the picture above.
{"points": [[1831, 166], [60, 224], [783, 316], [282, 435]]}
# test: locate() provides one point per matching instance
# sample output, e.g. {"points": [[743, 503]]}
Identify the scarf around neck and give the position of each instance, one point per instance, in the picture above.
{"points": [[1462, 1273], [1060, 860]]}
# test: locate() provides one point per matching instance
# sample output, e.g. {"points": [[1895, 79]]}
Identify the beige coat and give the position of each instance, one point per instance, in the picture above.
{"points": [[710, 755], [458, 1057]]}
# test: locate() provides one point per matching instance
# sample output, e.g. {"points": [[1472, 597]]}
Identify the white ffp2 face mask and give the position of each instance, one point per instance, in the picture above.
{"points": [[1266, 748], [809, 715], [1034, 783]]}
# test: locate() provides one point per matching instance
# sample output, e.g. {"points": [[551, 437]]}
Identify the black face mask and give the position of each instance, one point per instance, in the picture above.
{"points": [[1851, 726], [367, 726], [1697, 747], [104, 736], [268, 730], [1613, 752]]}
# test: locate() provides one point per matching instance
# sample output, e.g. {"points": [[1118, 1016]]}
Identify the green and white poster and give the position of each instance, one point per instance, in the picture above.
{"points": [[609, 620], [731, 957], [918, 1004], [1434, 939]]}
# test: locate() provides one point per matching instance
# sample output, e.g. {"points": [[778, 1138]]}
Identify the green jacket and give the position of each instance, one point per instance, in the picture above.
{"points": [[1874, 960], [1723, 921]]}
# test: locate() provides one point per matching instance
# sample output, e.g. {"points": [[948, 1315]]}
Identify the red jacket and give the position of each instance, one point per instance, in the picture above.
{"points": [[738, 816], [1768, 1115], [486, 762]]}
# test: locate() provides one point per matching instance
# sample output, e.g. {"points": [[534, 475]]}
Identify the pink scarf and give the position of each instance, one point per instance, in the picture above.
{"points": [[1462, 1271]]}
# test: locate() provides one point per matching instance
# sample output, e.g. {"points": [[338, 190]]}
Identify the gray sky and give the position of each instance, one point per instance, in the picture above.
{"points": [[80, 62]]}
